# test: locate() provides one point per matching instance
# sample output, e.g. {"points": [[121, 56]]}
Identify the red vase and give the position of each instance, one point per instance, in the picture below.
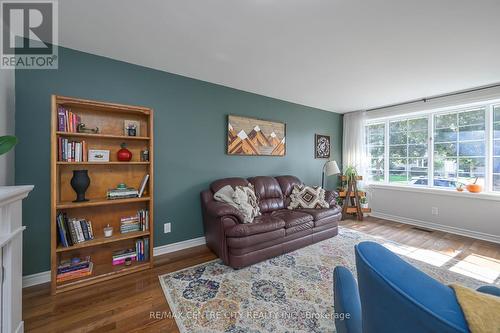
{"points": [[124, 155]]}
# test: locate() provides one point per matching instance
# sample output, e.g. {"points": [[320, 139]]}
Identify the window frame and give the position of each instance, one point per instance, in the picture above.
{"points": [[374, 123], [387, 150], [489, 107]]}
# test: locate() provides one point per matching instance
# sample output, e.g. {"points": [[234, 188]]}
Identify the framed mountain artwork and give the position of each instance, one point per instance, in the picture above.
{"points": [[249, 136], [322, 146]]}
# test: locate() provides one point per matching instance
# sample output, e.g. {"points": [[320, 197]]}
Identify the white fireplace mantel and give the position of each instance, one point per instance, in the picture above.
{"points": [[11, 258]]}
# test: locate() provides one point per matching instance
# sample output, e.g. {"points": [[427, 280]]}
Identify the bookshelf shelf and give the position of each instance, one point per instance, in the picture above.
{"points": [[110, 118], [103, 272], [99, 202], [101, 240], [103, 163], [101, 136]]}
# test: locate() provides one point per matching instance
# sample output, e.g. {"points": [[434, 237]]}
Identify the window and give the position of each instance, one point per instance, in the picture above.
{"points": [[408, 151], [496, 148], [459, 148], [439, 149], [375, 148]]}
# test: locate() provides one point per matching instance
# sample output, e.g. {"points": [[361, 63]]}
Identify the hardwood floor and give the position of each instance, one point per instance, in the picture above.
{"points": [[125, 304]]}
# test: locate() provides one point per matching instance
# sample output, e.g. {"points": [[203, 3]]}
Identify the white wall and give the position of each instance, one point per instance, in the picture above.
{"points": [[473, 215], [7, 109]]}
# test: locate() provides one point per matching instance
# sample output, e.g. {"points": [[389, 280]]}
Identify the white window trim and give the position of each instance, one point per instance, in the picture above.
{"points": [[489, 106], [494, 196]]}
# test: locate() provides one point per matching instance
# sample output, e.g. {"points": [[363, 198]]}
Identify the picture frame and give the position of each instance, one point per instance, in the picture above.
{"points": [[127, 124], [98, 155], [248, 136], [322, 146]]}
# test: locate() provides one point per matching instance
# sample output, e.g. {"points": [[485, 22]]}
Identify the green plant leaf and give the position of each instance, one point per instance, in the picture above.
{"points": [[6, 143]]}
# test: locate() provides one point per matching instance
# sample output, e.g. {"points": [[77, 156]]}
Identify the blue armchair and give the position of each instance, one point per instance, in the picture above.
{"points": [[394, 296]]}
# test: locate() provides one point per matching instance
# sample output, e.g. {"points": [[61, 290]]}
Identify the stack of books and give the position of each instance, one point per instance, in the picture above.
{"points": [[72, 151], [129, 224], [70, 270], [73, 231], [119, 257], [67, 121], [139, 222], [118, 193], [140, 253]]}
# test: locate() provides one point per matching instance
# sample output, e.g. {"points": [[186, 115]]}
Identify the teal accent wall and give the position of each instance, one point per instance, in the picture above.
{"points": [[190, 139]]}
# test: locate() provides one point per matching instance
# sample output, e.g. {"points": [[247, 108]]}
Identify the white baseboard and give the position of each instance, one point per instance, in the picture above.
{"points": [[44, 277], [440, 227], [159, 250], [34, 279]]}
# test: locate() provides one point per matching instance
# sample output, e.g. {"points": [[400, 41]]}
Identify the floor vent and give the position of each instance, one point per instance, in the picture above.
{"points": [[422, 229]]}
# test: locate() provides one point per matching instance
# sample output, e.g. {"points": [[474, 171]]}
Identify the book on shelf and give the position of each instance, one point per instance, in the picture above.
{"points": [[72, 231], [143, 185], [139, 253], [74, 269], [138, 222], [72, 151], [67, 121], [124, 193]]}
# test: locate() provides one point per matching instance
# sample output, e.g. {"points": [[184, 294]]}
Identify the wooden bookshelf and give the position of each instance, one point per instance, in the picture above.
{"points": [[109, 118]]}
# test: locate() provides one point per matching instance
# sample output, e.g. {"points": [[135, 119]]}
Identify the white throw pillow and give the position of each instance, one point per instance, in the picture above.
{"points": [[307, 197]]}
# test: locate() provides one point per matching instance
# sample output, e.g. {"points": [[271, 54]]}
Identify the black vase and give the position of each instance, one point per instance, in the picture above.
{"points": [[80, 183]]}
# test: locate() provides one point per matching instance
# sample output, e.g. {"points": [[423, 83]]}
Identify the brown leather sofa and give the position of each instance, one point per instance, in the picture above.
{"points": [[277, 231]]}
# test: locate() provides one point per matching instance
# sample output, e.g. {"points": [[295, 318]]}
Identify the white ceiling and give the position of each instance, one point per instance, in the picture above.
{"points": [[337, 55]]}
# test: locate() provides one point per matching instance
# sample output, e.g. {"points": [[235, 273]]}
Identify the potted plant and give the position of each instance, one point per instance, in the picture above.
{"points": [[363, 202], [351, 173], [7, 142]]}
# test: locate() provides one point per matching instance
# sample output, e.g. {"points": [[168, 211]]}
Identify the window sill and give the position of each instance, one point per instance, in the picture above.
{"points": [[437, 191]]}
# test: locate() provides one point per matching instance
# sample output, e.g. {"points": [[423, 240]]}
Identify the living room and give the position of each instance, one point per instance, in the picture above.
{"points": [[258, 166]]}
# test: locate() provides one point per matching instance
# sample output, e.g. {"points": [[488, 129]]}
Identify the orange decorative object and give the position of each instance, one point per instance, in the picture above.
{"points": [[474, 188]]}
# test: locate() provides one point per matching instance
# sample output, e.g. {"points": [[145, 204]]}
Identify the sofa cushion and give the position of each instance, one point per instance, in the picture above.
{"points": [[307, 197], [218, 184], [292, 218], [287, 183], [254, 240], [319, 214], [268, 192], [299, 228], [261, 224], [332, 219]]}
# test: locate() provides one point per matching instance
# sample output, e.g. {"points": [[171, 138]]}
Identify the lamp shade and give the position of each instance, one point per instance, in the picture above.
{"points": [[332, 168]]}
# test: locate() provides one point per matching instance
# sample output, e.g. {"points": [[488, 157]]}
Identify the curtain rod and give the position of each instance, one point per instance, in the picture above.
{"points": [[426, 99]]}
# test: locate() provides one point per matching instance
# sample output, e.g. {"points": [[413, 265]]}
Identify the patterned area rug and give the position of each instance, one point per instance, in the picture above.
{"points": [[289, 293]]}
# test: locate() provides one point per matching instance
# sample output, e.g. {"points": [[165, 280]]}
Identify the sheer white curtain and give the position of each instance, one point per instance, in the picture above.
{"points": [[353, 143]]}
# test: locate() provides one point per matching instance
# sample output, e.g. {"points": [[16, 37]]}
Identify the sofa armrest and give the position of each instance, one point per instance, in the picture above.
{"points": [[220, 209], [347, 302], [331, 197]]}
